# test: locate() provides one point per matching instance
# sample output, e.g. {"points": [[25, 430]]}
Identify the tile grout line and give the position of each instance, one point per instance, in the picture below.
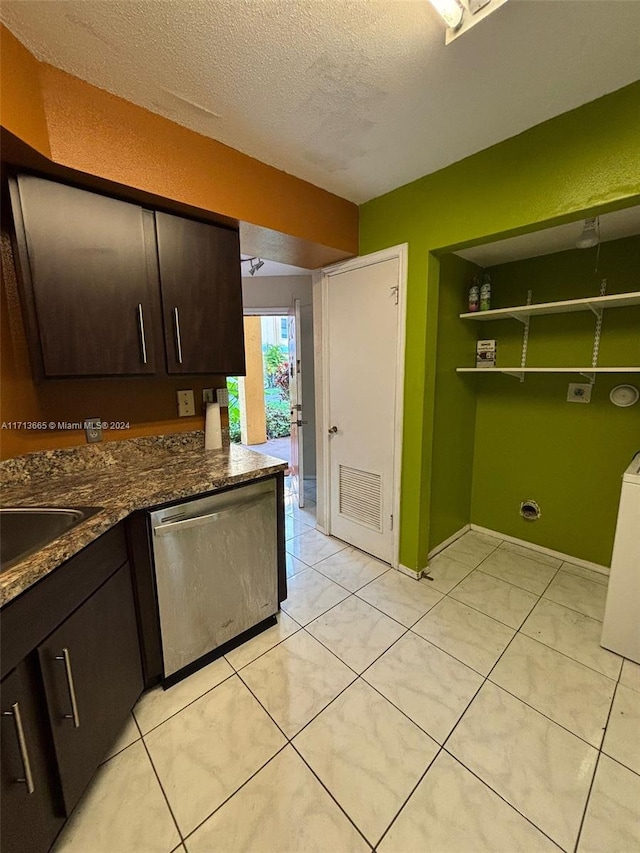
{"points": [[565, 655], [387, 568], [587, 800], [442, 746], [546, 716], [573, 609], [511, 583], [617, 760], [487, 678], [478, 568], [499, 621], [504, 800], [289, 742], [319, 780], [600, 754], [411, 793], [164, 793], [586, 616], [175, 714], [233, 793]]}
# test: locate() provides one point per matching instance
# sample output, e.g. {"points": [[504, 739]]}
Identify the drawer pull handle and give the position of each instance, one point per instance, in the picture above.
{"points": [[66, 658], [176, 320], [22, 743], [143, 343]]}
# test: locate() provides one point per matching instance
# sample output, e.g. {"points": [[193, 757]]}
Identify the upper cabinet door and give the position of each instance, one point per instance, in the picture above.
{"points": [[88, 263], [201, 296]]}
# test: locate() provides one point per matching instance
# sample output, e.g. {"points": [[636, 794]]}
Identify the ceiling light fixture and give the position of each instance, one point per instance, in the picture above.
{"points": [[450, 11], [461, 15], [590, 234]]}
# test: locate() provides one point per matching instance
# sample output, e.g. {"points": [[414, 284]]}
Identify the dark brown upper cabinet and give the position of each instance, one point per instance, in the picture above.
{"points": [[112, 289], [201, 296], [90, 281]]}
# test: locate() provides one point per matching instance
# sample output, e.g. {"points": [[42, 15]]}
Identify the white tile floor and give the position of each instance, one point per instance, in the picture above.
{"points": [[474, 712]]}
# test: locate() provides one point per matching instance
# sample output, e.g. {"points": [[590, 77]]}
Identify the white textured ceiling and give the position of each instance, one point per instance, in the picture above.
{"points": [[612, 226], [356, 96]]}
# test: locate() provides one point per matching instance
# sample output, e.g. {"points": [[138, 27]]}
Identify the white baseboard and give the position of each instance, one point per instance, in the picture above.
{"points": [[449, 541], [410, 572], [559, 555]]}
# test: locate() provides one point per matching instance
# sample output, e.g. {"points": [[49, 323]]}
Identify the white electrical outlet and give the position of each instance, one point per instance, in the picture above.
{"points": [[93, 430], [579, 392], [186, 404]]}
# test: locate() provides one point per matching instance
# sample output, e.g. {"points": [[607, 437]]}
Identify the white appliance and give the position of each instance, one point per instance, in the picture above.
{"points": [[621, 629]]}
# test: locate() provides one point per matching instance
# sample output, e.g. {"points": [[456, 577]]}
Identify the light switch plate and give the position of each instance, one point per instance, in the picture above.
{"points": [[186, 404], [207, 395], [579, 392], [222, 396]]}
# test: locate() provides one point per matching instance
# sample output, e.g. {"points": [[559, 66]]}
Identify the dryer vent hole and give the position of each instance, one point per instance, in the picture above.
{"points": [[530, 510]]}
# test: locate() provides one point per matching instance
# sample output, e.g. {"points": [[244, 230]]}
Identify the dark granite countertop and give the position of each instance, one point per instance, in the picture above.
{"points": [[136, 475]]}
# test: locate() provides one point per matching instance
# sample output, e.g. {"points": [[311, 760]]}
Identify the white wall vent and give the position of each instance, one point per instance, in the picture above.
{"points": [[360, 497]]}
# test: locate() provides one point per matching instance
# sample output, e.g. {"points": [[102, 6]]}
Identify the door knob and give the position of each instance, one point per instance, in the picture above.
{"points": [[333, 430]]}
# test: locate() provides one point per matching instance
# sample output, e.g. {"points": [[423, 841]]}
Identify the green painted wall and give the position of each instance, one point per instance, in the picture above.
{"points": [[455, 404], [580, 163], [529, 441]]}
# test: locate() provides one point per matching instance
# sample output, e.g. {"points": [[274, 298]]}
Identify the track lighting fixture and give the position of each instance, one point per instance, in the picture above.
{"points": [[256, 263]]}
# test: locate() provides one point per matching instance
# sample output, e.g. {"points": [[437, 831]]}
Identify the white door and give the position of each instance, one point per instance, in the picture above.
{"points": [[361, 396], [295, 399]]}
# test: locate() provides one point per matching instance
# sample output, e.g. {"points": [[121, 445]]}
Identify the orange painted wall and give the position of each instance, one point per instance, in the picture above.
{"points": [[21, 104], [91, 131], [83, 128]]}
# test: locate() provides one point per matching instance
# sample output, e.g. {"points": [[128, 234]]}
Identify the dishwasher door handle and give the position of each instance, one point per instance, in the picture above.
{"points": [[186, 523]]}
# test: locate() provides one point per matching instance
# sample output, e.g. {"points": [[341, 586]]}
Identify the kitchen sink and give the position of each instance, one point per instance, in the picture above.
{"points": [[23, 530]]}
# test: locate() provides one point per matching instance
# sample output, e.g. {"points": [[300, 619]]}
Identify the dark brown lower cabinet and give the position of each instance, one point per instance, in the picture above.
{"points": [[31, 813], [92, 676]]}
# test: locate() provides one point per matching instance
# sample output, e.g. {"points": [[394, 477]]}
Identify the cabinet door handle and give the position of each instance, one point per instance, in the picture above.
{"points": [[22, 743], [143, 343], [66, 658], [176, 321]]}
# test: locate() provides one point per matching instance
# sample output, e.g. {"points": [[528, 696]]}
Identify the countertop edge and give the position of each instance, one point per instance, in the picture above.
{"points": [[34, 568]]}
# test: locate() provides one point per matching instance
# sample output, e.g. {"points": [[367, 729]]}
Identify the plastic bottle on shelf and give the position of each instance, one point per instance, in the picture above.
{"points": [[485, 293], [474, 294]]}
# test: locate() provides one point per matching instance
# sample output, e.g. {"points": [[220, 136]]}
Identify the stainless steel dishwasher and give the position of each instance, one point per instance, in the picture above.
{"points": [[216, 566]]}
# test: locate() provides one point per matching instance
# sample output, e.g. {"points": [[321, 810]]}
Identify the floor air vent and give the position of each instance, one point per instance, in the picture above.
{"points": [[361, 497]]}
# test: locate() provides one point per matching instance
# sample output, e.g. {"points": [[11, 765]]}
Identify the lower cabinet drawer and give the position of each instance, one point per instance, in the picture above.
{"points": [[92, 677]]}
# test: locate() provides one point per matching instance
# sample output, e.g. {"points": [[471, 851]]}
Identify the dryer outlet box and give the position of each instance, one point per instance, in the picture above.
{"points": [[579, 392]]}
